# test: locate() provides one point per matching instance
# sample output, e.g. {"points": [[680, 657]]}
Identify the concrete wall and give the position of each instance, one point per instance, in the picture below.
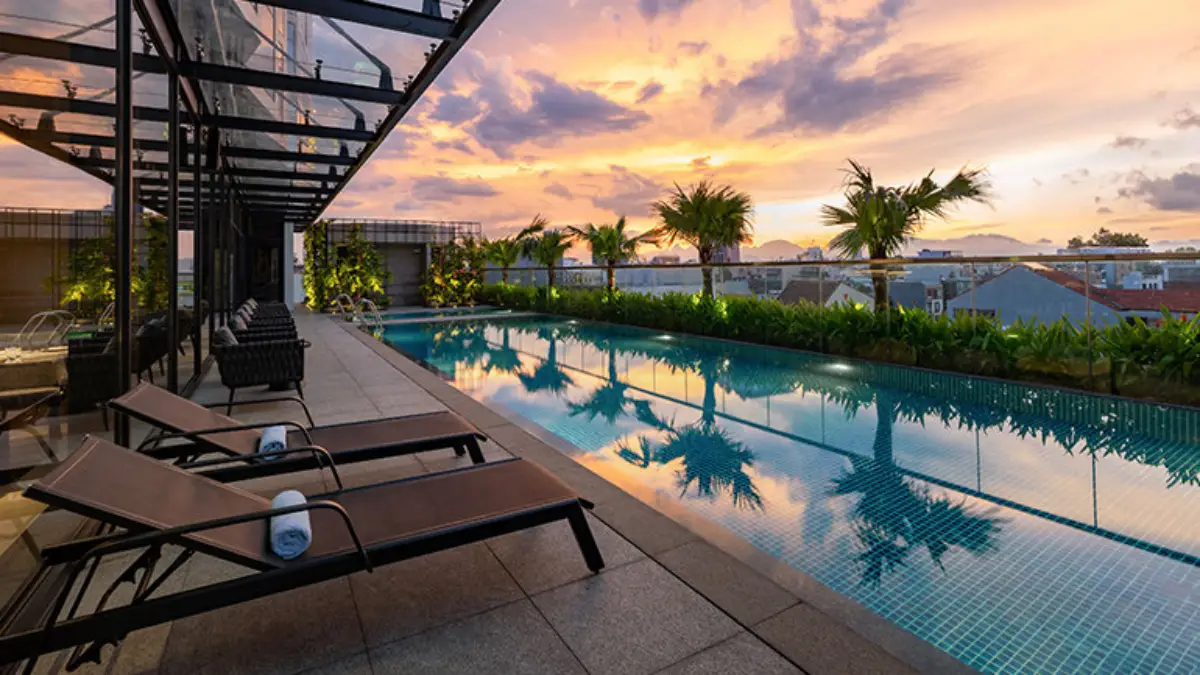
{"points": [[25, 264], [1021, 293], [406, 262]]}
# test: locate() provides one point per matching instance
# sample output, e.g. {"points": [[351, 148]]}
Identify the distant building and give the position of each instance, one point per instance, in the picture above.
{"points": [[728, 254], [930, 253], [817, 293], [665, 260], [929, 297], [1137, 280], [1110, 272], [1036, 292]]}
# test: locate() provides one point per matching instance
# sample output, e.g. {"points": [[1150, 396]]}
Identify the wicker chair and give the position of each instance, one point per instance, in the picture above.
{"points": [[91, 376], [252, 364]]}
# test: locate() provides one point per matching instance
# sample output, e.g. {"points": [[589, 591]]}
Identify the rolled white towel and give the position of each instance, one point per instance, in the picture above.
{"points": [[291, 534], [273, 439]]}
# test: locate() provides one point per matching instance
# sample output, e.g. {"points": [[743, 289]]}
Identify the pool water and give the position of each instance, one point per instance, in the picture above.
{"points": [[431, 313], [1018, 529]]}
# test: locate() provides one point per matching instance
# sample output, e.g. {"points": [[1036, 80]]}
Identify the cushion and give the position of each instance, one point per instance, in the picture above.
{"points": [[237, 322], [224, 337]]}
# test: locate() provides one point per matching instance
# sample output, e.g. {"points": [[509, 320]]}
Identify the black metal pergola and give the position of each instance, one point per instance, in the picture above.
{"points": [[235, 177]]}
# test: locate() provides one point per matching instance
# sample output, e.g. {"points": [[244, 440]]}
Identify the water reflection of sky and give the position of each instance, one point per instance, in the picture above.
{"points": [[1014, 543]]}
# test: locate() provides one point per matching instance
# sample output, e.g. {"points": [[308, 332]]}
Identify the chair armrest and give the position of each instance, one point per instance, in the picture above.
{"points": [[315, 450], [273, 399], [195, 434]]}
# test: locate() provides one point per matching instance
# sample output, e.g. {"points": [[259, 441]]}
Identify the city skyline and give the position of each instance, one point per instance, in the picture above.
{"points": [[1087, 115]]}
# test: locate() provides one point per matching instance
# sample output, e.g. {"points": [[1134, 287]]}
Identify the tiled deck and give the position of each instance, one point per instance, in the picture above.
{"points": [[667, 602]]}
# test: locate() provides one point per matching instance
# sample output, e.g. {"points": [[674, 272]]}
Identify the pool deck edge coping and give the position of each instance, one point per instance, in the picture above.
{"points": [[525, 439]]}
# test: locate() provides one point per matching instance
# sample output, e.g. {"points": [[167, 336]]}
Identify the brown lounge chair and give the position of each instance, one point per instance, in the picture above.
{"points": [[206, 431], [152, 503]]}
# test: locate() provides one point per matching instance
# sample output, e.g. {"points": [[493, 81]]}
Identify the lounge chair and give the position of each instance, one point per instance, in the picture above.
{"points": [[153, 503], [26, 420], [205, 431]]}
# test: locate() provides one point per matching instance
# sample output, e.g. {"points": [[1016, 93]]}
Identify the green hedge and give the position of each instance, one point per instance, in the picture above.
{"points": [[1159, 361]]}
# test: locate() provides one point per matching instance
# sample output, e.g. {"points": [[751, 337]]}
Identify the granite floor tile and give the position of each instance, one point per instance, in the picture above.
{"points": [[548, 556], [743, 653], [819, 644], [634, 619], [730, 584], [510, 639], [412, 596], [648, 529], [281, 634]]}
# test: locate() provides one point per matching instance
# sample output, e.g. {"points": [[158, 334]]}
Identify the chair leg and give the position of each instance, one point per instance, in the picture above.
{"points": [[459, 451], [104, 416], [299, 389], [583, 536], [475, 451], [229, 407]]}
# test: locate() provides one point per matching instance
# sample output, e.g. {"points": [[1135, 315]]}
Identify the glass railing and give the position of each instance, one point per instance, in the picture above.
{"points": [[1122, 324]]}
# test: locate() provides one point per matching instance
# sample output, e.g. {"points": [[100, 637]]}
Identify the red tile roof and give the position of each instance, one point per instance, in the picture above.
{"points": [[1128, 299]]}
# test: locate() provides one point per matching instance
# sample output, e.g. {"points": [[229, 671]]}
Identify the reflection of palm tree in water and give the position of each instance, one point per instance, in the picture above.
{"points": [[892, 516], [711, 459], [610, 399], [503, 359], [548, 376]]}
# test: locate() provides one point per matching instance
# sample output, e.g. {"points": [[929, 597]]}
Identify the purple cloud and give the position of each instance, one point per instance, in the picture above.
{"points": [[1180, 192], [447, 189], [812, 85], [649, 92], [630, 193], [555, 110], [558, 190]]}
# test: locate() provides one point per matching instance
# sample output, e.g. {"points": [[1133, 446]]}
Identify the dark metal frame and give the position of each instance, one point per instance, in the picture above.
{"points": [[86, 635], [195, 446]]}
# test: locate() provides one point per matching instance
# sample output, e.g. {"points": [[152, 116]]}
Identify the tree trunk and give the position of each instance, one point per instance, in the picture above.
{"points": [[880, 283], [706, 272], [550, 276], [504, 274], [612, 278]]}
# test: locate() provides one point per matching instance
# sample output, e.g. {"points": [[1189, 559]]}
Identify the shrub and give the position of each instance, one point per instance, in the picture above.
{"points": [[1159, 361]]}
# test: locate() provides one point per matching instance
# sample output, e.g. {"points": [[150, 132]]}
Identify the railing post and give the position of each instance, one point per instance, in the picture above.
{"points": [[1087, 292]]}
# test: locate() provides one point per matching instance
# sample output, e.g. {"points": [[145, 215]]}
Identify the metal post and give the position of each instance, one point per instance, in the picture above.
{"points": [[173, 233], [199, 241], [214, 242], [1087, 292], [123, 207]]}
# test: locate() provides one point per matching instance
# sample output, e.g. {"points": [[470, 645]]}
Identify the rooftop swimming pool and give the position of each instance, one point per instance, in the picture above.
{"points": [[1017, 528], [448, 312]]}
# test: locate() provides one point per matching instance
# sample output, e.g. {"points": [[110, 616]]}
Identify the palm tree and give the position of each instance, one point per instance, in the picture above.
{"points": [[881, 219], [507, 251], [610, 245], [707, 217], [547, 250]]}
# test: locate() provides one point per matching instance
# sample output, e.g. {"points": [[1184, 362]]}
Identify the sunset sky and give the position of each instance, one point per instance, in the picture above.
{"points": [[1086, 113]]}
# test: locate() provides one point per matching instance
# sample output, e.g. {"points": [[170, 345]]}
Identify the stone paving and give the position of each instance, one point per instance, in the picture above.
{"points": [[667, 601]]}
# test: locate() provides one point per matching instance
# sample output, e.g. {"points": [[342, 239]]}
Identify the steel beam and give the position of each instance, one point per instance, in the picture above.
{"points": [[233, 151], [142, 113], [163, 29], [372, 14], [470, 21], [283, 82], [123, 208], [173, 162]]}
